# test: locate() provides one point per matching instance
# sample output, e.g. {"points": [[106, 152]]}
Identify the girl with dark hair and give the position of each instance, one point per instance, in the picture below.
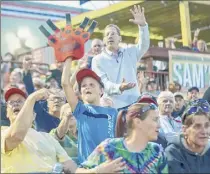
{"points": [[140, 123]]}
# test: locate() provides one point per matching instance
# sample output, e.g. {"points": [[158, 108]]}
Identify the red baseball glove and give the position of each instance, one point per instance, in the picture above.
{"points": [[69, 42]]}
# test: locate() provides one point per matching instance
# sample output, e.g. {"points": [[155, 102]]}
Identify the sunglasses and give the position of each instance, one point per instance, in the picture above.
{"points": [[147, 108], [199, 102], [143, 110], [199, 105]]}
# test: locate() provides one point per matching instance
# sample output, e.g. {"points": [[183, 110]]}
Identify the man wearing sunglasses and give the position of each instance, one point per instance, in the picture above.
{"points": [[190, 151]]}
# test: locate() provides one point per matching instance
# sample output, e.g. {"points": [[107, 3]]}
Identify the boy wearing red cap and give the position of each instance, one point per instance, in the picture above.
{"points": [[95, 123]]}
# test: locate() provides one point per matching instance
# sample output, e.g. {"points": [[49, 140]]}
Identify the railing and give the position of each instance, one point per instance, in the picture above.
{"points": [[161, 78], [43, 55], [171, 57]]}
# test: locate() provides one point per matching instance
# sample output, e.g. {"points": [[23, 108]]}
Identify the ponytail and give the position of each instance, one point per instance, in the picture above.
{"points": [[120, 128]]}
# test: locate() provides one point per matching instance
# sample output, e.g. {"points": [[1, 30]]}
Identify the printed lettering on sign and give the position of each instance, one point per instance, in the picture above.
{"points": [[190, 69]]}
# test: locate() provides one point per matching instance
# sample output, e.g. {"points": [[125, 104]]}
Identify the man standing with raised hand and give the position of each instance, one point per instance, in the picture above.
{"points": [[117, 66]]}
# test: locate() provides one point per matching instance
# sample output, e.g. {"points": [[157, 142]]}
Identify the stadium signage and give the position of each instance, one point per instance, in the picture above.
{"points": [[189, 69]]}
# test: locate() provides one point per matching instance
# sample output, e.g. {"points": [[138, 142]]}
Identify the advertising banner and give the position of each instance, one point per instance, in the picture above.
{"points": [[189, 69]]}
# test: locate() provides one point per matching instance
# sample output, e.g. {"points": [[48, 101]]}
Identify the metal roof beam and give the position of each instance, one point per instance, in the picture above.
{"points": [[201, 2], [76, 20]]}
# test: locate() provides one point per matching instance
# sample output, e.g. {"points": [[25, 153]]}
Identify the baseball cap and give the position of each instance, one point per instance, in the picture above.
{"points": [[178, 94], [147, 98], [88, 73], [193, 88], [12, 91]]}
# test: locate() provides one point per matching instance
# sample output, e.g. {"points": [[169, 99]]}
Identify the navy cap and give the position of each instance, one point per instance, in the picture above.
{"points": [[193, 88]]}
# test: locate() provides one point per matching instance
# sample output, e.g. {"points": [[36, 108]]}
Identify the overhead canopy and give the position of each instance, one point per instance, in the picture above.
{"points": [[163, 19]]}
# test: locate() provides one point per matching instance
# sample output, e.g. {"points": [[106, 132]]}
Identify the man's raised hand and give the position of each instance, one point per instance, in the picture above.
{"points": [[138, 14], [27, 63], [126, 86], [41, 94]]}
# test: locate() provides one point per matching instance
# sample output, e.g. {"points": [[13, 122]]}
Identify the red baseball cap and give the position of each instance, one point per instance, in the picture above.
{"points": [[12, 91], [147, 99], [87, 73]]}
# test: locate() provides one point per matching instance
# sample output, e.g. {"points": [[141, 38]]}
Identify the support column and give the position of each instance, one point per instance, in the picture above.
{"points": [[185, 23], [149, 63]]}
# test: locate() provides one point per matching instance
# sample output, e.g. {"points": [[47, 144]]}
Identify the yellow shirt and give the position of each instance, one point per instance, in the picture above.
{"points": [[37, 153]]}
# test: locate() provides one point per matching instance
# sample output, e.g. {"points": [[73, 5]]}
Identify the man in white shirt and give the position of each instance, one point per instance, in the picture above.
{"points": [[117, 67], [169, 126]]}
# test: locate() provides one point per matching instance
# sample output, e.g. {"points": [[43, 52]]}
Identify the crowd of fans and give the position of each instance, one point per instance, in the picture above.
{"points": [[104, 116]]}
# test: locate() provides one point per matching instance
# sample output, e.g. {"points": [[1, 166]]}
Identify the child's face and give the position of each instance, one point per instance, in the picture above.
{"points": [[90, 90]]}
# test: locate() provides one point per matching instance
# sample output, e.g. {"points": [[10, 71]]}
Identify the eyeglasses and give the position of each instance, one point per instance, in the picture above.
{"points": [[14, 102], [196, 106]]}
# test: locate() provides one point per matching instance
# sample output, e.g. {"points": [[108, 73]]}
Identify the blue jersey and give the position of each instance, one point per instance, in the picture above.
{"points": [[95, 124]]}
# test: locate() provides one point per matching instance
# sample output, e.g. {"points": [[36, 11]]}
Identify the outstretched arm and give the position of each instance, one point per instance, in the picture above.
{"points": [[81, 65], [144, 39], [63, 127], [27, 79], [67, 86]]}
